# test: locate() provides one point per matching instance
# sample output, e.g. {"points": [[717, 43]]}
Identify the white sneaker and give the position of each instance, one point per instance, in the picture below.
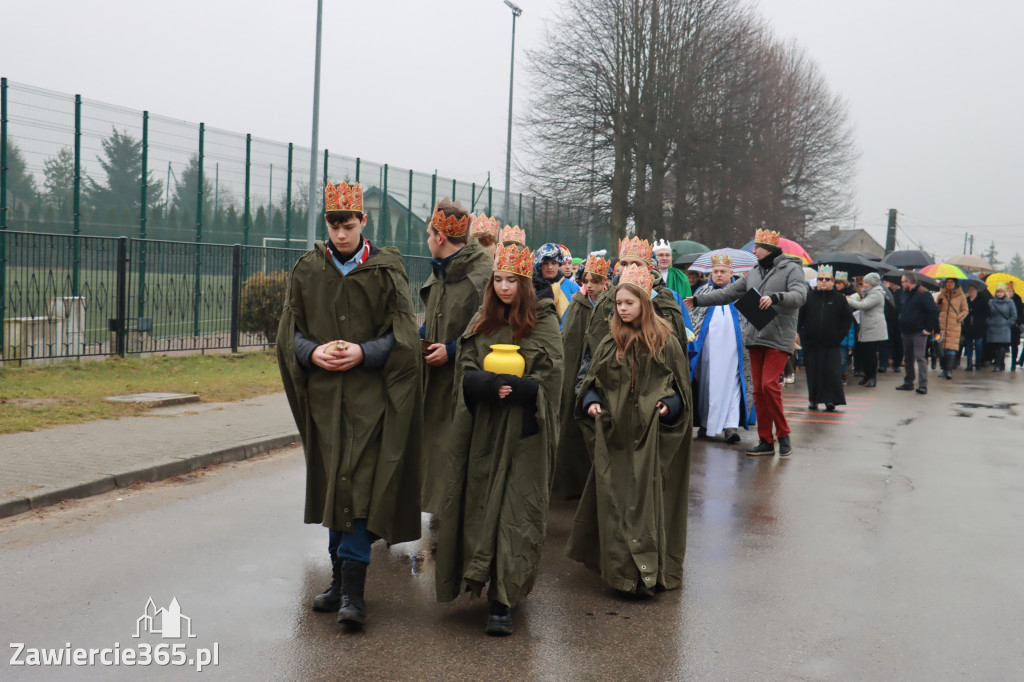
{"points": [[790, 378]]}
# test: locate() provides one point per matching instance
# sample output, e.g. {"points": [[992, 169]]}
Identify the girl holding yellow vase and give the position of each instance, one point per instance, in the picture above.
{"points": [[502, 443]]}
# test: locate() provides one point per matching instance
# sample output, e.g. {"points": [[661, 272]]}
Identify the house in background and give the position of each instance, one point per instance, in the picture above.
{"points": [[835, 240]]}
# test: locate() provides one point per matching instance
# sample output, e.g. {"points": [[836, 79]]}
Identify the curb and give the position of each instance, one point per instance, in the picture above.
{"points": [[146, 473]]}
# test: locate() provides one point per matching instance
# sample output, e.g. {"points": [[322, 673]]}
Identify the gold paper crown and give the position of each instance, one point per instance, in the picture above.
{"points": [[721, 259], [515, 259], [840, 274], [482, 225], [596, 265], [450, 226], [512, 234], [824, 270], [343, 197], [769, 237], [635, 248], [637, 276]]}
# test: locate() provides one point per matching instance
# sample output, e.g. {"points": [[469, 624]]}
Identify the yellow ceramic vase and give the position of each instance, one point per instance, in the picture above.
{"points": [[504, 358]]}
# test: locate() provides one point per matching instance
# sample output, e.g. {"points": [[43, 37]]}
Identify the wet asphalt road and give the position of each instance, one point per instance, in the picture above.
{"points": [[888, 547]]}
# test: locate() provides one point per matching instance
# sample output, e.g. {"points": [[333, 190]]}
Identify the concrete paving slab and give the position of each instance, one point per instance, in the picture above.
{"points": [[155, 399]]}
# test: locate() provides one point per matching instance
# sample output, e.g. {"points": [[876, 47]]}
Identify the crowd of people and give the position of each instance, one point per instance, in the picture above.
{"points": [[534, 375]]}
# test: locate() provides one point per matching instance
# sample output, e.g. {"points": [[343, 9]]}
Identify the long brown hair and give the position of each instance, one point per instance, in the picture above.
{"points": [[522, 311], [649, 330]]}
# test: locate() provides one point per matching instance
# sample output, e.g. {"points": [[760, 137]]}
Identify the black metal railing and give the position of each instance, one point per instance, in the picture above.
{"points": [[66, 296]]}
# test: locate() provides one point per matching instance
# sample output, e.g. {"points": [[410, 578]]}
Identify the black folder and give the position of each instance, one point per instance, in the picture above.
{"points": [[749, 305]]}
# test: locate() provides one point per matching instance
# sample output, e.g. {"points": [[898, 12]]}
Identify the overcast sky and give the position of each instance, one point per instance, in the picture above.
{"points": [[934, 86]]}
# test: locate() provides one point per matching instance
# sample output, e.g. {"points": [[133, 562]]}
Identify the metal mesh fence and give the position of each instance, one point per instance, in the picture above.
{"points": [[43, 127]]}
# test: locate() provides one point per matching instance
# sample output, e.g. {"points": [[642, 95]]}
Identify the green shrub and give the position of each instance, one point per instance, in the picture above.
{"points": [[262, 302]]}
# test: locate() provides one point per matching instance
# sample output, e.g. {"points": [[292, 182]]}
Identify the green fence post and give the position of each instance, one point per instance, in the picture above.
{"points": [[323, 226], [520, 221], [472, 197], [433, 192], [143, 205], [382, 214], [288, 199], [3, 208], [408, 220], [197, 291], [490, 197], [3, 160], [534, 221], [77, 201], [357, 169], [453, 190], [247, 219]]}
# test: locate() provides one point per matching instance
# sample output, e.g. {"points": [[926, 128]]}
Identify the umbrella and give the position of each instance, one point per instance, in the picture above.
{"points": [[1000, 277], [685, 261], [908, 260], [789, 247], [684, 246], [810, 274], [969, 261], [742, 261], [853, 263], [924, 280], [943, 271]]}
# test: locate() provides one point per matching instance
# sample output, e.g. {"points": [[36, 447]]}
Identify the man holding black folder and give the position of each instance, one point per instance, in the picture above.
{"points": [[775, 291]]}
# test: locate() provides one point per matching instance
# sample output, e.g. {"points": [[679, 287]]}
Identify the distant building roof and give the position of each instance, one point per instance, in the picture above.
{"points": [[842, 241]]}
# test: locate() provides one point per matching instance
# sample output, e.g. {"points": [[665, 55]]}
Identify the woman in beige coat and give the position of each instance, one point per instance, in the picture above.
{"points": [[952, 311]]}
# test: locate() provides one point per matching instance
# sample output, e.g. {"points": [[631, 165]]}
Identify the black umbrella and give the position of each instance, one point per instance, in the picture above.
{"points": [[685, 260], [924, 280], [908, 260], [853, 264]]}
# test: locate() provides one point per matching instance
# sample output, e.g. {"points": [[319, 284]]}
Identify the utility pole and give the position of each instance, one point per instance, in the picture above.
{"points": [[315, 199], [890, 234], [516, 11], [972, 244]]}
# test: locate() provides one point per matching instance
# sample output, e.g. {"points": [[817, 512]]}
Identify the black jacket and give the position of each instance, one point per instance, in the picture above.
{"points": [[918, 312], [824, 319], [977, 310]]}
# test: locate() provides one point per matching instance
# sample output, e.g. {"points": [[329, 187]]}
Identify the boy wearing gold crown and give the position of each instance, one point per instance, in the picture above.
{"points": [[633, 407], [779, 279], [451, 296], [572, 464], [502, 445], [349, 356], [720, 367], [484, 230]]}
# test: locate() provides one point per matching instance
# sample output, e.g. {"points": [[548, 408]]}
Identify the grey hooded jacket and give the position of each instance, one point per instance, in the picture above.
{"points": [[784, 282]]}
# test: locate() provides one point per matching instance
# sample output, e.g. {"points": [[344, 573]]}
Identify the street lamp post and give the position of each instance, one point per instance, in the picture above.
{"points": [[314, 204], [516, 11]]}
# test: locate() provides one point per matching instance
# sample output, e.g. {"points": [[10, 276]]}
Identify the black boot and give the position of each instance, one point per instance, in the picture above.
{"points": [[353, 579], [330, 600], [499, 622]]}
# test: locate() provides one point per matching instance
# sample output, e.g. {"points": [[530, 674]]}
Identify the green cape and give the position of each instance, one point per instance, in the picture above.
{"points": [[450, 305], [495, 514], [572, 461], [359, 428], [631, 519], [678, 282]]}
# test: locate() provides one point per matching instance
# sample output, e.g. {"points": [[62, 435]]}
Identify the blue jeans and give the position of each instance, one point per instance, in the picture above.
{"points": [[354, 545], [975, 348]]}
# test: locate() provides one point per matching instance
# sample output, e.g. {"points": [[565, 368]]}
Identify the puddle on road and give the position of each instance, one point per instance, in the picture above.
{"points": [[1001, 407]]}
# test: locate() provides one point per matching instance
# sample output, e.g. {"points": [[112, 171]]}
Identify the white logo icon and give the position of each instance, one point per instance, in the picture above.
{"points": [[164, 622]]}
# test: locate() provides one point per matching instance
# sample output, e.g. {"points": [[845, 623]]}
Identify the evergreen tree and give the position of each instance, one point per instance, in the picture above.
{"points": [[121, 162], [59, 174], [990, 256], [1016, 267], [21, 185], [185, 194]]}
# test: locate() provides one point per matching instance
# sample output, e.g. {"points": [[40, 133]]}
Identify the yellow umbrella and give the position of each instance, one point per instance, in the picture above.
{"points": [[999, 277]]}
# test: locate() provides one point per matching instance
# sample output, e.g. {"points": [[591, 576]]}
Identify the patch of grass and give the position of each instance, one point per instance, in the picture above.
{"points": [[37, 397]]}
